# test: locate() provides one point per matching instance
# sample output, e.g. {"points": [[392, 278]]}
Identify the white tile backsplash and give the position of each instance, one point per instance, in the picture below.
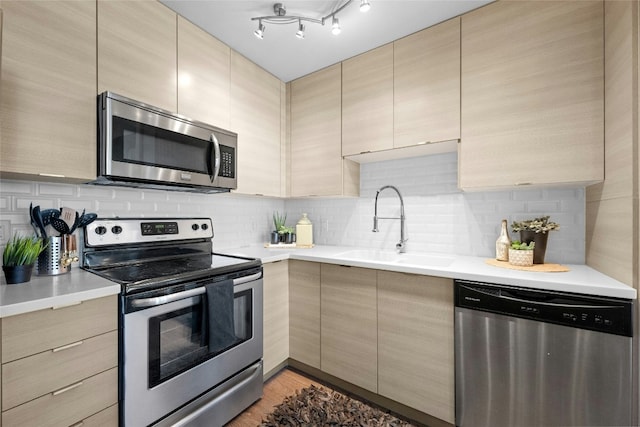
{"points": [[439, 217]]}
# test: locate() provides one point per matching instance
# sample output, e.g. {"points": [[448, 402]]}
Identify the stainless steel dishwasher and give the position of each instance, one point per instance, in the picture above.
{"points": [[528, 357]]}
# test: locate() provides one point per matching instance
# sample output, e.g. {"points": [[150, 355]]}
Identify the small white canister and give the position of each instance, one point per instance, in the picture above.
{"points": [[304, 232]]}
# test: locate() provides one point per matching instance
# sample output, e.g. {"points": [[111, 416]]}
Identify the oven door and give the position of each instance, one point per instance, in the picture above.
{"points": [[176, 349]]}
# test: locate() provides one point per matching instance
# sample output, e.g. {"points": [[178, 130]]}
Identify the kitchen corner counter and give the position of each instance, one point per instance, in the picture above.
{"points": [[580, 279], [53, 291]]}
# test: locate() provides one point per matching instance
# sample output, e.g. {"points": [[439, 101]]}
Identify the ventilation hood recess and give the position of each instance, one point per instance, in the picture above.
{"points": [[424, 149]]}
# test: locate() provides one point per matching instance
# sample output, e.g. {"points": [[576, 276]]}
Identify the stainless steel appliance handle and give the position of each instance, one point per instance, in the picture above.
{"points": [[164, 299], [216, 154]]}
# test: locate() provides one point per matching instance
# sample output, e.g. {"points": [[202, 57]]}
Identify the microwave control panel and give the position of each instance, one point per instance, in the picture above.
{"points": [[227, 162]]}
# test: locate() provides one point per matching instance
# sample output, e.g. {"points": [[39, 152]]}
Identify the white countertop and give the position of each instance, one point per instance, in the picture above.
{"points": [[78, 285], [53, 291], [580, 279]]}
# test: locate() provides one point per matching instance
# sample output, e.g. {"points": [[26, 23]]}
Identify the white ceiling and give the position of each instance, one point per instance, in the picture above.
{"points": [[288, 57]]}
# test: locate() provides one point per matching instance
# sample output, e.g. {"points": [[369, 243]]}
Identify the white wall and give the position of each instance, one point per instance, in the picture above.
{"points": [[439, 217]]}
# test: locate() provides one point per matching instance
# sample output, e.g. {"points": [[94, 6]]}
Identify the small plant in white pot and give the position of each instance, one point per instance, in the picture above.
{"points": [[535, 230], [521, 254]]}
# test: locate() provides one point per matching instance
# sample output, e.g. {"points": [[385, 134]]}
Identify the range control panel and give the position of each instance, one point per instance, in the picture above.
{"points": [[610, 315], [117, 231]]}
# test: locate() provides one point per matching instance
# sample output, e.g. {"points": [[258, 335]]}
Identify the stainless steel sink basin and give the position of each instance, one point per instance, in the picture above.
{"points": [[425, 260], [420, 260], [368, 255]]}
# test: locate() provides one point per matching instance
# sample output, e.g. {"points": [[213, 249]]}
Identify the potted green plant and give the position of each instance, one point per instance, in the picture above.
{"points": [[277, 235], [521, 253], [19, 255], [535, 230]]}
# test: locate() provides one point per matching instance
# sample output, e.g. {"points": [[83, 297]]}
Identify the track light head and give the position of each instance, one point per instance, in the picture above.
{"points": [[300, 32], [259, 33], [365, 5], [335, 26]]}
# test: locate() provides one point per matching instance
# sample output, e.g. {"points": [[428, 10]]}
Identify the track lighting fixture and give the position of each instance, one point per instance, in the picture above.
{"points": [[259, 33], [300, 32], [335, 26], [280, 17]]}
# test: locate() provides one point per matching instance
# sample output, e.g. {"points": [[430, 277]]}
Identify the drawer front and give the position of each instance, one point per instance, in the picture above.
{"points": [[67, 406], [104, 418], [34, 376], [30, 333]]}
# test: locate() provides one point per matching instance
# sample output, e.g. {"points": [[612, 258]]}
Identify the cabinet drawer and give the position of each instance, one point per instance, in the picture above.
{"points": [[104, 418], [38, 331], [66, 406], [31, 377]]}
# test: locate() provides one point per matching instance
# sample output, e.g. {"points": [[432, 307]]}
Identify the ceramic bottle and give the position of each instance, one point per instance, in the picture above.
{"points": [[503, 243]]}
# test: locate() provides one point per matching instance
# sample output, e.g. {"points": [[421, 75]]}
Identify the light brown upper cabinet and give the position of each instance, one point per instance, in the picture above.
{"points": [[317, 166], [426, 85], [48, 102], [532, 94], [137, 51], [256, 117], [203, 75], [367, 102]]}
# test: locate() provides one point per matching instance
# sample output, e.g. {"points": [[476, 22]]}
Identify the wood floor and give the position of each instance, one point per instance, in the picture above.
{"points": [[284, 384]]}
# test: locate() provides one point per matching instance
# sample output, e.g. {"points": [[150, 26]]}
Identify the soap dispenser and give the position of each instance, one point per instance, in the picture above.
{"points": [[304, 232]]}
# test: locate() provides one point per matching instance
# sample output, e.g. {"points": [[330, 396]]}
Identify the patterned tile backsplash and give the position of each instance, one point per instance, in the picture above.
{"points": [[439, 217]]}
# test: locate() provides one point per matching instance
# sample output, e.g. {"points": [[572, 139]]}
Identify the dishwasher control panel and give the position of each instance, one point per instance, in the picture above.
{"points": [[610, 315]]}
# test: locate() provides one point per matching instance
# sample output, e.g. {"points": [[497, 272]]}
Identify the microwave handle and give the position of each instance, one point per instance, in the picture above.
{"points": [[216, 157]]}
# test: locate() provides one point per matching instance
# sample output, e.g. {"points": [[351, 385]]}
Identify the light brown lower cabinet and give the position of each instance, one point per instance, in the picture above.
{"points": [[275, 315], [415, 342], [389, 333], [304, 312], [348, 348], [60, 365]]}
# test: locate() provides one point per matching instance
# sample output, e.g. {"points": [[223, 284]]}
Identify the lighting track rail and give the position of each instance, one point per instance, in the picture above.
{"points": [[280, 17]]}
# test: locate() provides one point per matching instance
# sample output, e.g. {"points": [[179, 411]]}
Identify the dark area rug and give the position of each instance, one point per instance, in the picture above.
{"points": [[316, 406]]}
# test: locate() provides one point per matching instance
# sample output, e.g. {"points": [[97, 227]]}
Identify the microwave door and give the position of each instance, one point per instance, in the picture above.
{"points": [[215, 158]]}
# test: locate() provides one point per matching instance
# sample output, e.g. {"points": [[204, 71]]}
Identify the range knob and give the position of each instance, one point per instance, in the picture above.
{"points": [[116, 229], [204, 226], [100, 230], [194, 227]]}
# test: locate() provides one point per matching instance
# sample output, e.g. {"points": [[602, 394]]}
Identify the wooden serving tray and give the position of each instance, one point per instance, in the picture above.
{"points": [[546, 268]]}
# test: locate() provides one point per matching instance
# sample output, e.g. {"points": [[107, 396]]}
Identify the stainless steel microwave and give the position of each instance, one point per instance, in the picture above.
{"points": [[144, 146]]}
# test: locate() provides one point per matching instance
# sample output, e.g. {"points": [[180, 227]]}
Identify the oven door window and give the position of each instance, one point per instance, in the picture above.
{"points": [[139, 143], [180, 339]]}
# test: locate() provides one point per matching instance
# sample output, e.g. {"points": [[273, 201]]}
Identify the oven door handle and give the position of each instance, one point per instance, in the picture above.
{"points": [[165, 299]]}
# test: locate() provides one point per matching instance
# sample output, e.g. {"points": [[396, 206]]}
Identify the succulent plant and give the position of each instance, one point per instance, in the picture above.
{"points": [[538, 225], [517, 245]]}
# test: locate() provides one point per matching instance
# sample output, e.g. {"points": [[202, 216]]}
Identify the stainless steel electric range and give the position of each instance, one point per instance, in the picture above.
{"points": [[190, 320]]}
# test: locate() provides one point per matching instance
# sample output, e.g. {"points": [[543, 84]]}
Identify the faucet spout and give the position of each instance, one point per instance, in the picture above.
{"points": [[400, 245]]}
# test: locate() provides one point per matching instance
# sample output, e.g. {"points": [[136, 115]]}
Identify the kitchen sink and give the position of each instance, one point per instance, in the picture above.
{"points": [[425, 260], [369, 255], [421, 260]]}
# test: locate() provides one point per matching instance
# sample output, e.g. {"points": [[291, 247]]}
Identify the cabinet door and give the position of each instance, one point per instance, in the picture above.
{"points": [[349, 325], [256, 111], [203, 75], [367, 102], [48, 102], [275, 314], [137, 51], [415, 342], [317, 167], [532, 94], [304, 312], [426, 85]]}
